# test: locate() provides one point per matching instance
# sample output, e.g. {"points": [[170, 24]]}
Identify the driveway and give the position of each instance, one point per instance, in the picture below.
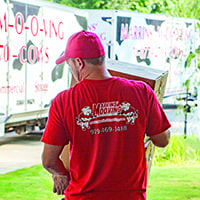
{"points": [[18, 152]]}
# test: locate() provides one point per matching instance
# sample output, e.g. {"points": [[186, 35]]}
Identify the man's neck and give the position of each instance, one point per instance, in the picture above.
{"points": [[96, 73]]}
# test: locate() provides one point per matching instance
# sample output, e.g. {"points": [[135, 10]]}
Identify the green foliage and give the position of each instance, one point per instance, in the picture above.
{"points": [[197, 52], [193, 56], [140, 5], [189, 59], [187, 9], [179, 151], [175, 8], [196, 55], [161, 6]]}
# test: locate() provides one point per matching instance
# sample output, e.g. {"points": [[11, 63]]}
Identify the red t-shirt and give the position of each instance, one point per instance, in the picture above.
{"points": [[105, 122]]}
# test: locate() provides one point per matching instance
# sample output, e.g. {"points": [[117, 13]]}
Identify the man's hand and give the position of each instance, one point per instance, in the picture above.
{"points": [[60, 183]]}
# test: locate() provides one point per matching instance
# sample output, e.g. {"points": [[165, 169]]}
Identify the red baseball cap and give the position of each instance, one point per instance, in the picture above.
{"points": [[83, 45]]}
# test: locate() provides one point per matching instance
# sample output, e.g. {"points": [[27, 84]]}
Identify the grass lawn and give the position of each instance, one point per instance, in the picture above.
{"points": [[176, 171], [32, 183], [165, 183], [174, 183]]}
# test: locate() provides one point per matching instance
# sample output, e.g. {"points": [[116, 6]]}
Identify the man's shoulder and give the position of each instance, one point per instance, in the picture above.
{"points": [[62, 95]]}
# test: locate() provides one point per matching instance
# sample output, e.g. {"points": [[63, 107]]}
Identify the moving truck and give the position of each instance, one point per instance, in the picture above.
{"points": [[33, 35], [155, 41]]}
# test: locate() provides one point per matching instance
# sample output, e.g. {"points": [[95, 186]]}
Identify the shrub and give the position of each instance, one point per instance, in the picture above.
{"points": [[179, 151]]}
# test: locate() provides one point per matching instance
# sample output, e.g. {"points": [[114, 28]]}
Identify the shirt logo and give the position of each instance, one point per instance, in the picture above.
{"points": [[106, 112]]}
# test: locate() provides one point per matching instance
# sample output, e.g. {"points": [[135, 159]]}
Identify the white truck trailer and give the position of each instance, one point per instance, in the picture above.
{"points": [[155, 41], [32, 35]]}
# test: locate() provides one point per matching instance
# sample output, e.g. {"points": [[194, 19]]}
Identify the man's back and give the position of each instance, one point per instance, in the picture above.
{"points": [[106, 121]]}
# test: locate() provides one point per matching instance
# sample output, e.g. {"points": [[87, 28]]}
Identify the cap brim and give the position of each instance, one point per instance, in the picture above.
{"points": [[61, 59]]}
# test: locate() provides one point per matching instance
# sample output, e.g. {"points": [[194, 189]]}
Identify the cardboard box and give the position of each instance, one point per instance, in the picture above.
{"points": [[156, 79]]}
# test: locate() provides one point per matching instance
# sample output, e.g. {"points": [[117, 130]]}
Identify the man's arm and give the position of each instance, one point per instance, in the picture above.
{"points": [[51, 159], [53, 164], [162, 139]]}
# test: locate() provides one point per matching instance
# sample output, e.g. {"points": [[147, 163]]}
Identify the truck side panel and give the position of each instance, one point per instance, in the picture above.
{"points": [[33, 36], [155, 41]]}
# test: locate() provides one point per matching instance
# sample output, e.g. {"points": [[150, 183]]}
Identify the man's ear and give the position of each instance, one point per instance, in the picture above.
{"points": [[80, 63]]}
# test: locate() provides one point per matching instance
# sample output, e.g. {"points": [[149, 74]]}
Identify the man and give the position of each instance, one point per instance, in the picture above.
{"points": [[104, 119]]}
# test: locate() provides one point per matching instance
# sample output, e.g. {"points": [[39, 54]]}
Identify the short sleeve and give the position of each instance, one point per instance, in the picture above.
{"points": [[157, 119], [55, 133]]}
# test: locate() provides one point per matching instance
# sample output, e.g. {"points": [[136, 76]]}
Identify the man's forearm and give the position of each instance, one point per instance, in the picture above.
{"points": [[53, 164], [56, 168]]}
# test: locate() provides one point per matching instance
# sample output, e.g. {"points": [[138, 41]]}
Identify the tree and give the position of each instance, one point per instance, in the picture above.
{"points": [[140, 5], [183, 8], [174, 8]]}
